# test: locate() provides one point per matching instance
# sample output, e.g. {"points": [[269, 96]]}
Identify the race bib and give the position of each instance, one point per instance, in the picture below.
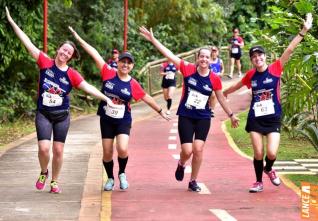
{"points": [[115, 111], [235, 50], [170, 75], [197, 100], [52, 100], [263, 108]]}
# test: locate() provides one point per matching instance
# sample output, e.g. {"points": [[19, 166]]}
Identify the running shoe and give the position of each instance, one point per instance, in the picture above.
{"points": [[123, 181], [179, 172], [193, 186], [168, 112], [257, 187], [240, 75], [273, 177], [230, 76], [40, 183], [109, 185], [54, 187]]}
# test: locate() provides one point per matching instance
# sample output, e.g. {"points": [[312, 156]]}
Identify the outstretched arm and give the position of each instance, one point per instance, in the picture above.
{"points": [[34, 51], [289, 50], [226, 108], [153, 104], [148, 35], [89, 49], [90, 89], [232, 88]]}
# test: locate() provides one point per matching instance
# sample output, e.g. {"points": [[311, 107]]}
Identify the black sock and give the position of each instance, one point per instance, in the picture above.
{"points": [[169, 103], [109, 168], [269, 164], [258, 167], [122, 164]]}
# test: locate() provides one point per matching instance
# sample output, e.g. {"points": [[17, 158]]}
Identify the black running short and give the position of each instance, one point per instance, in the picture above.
{"points": [[46, 124], [110, 130], [263, 126], [236, 56], [188, 127], [166, 83]]}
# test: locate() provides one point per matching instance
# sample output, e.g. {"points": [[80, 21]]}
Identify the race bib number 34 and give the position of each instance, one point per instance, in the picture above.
{"points": [[197, 100], [263, 108], [52, 100]]}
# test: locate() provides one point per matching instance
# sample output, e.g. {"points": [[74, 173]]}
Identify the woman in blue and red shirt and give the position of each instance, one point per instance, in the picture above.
{"points": [[236, 45], [56, 81], [115, 121], [264, 117], [169, 81], [194, 112]]}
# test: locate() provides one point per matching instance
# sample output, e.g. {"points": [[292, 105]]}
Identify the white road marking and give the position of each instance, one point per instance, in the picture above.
{"points": [[173, 131], [172, 138], [204, 189], [172, 146], [175, 124], [188, 169], [222, 215], [176, 156]]}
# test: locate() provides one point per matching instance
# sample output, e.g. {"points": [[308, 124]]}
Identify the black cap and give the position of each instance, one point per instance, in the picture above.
{"points": [[256, 48], [126, 55]]}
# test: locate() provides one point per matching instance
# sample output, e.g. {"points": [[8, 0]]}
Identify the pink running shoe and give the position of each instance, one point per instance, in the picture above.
{"points": [[54, 187], [273, 177], [40, 183], [257, 187]]}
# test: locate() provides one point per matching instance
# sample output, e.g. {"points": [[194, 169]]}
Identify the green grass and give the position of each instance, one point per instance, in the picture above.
{"points": [[289, 149], [297, 179]]}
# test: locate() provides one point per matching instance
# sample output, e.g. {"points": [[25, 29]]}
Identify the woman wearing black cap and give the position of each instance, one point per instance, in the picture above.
{"points": [[116, 121], [264, 118]]}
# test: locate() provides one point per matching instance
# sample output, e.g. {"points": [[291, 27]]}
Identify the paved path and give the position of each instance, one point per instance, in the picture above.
{"points": [[153, 194]]}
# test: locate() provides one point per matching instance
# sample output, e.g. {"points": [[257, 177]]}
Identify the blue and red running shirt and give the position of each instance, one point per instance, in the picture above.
{"points": [[235, 49], [196, 91], [265, 91], [55, 85], [121, 93], [112, 63], [169, 67]]}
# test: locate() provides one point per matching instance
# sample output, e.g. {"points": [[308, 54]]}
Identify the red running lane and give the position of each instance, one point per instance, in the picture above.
{"points": [[154, 194]]}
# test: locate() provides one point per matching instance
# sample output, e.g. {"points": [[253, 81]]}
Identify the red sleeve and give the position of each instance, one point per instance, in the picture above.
{"points": [[107, 72], [163, 66], [215, 81], [240, 39], [187, 69], [44, 61], [276, 68], [136, 90], [75, 77], [246, 80]]}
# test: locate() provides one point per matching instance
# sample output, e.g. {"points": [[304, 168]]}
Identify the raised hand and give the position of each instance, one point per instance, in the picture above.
{"points": [[74, 33], [308, 22], [147, 34], [8, 15]]}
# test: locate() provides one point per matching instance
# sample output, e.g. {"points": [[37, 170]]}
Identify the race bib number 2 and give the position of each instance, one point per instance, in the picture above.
{"points": [[52, 100]]}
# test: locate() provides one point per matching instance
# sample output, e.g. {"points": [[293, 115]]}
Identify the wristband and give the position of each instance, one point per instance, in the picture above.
{"points": [[301, 35], [159, 112], [231, 115]]}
